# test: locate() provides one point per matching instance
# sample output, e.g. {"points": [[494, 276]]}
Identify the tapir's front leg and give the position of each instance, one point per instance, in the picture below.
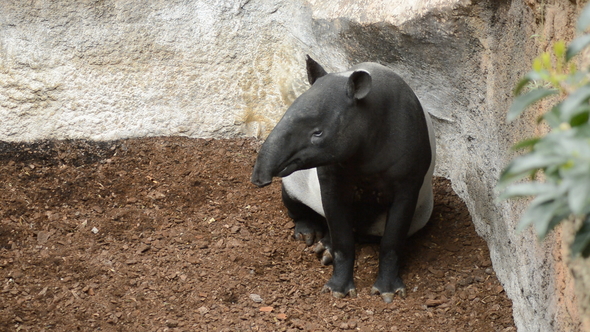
{"points": [[399, 218], [337, 200]]}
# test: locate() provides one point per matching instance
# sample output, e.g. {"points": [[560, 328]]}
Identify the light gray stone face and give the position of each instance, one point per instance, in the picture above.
{"points": [[221, 68], [112, 69]]}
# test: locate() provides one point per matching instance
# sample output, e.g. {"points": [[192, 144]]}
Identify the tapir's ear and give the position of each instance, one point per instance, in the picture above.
{"points": [[314, 70], [359, 84]]}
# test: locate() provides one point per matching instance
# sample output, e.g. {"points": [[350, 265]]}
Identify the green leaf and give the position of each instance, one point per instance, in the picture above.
{"points": [[531, 76], [552, 117], [576, 78], [546, 60], [557, 218], [526, 143], [507, 178], [584, 19], [521, 102], [571, 149], [580, 118], [579, 195], [559, 48], [576, 46], [581, 244], [572, 104], [560, 213], [537, 64], [533, 161], [541, 213], [526, 189], [582, 132]]}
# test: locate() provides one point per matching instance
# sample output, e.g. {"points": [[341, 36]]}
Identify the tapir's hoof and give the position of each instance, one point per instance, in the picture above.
{"points": [[388, 296], [308, 238], [339, 295], [324, 253], [327, 258], [308, 231], [319, 248]]}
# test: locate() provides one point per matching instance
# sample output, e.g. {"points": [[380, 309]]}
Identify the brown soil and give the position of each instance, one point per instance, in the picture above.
{"points": [[168, 234]]}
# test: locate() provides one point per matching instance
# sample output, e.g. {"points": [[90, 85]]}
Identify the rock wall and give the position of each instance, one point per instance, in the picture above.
{"points": [[111, 69]]}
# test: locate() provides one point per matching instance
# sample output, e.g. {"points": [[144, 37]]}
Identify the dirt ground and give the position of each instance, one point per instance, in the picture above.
{"points": [[168, 234]]}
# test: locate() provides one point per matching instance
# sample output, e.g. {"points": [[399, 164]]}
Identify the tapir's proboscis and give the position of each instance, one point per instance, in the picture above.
{"points": [[356, 152]]}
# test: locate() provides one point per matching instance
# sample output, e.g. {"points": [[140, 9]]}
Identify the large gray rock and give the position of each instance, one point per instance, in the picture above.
{"points": [[219, 68], [112, 69]]}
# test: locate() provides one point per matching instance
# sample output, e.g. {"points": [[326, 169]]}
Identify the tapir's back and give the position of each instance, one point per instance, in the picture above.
{"points": [[384, 78]]}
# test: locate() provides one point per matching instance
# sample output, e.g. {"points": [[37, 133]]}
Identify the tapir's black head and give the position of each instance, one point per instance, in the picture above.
{"points": [[320, 126]]}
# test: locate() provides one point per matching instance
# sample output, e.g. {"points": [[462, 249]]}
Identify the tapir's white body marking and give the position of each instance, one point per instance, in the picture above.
{"points": [[304, 187]]}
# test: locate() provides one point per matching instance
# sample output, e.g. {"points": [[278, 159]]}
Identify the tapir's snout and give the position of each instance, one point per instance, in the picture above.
{"points": [[269, 158], [279, 155], [262, 173], [259, 179]]}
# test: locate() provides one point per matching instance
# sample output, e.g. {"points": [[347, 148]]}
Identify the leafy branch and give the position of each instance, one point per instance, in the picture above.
{"points": [[557, 164]]}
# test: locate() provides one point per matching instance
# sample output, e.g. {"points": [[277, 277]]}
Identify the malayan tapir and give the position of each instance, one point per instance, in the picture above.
{"points": [[356, 152]]}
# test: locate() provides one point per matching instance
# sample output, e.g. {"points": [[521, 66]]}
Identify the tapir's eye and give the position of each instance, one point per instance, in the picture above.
{"points": [[316, 137]]}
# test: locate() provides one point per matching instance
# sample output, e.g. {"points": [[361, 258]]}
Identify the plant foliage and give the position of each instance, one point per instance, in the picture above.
{"points": [[558, 163]]}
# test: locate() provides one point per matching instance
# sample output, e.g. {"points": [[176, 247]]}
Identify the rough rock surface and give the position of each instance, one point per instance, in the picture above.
{"points": [[110, 69]]}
